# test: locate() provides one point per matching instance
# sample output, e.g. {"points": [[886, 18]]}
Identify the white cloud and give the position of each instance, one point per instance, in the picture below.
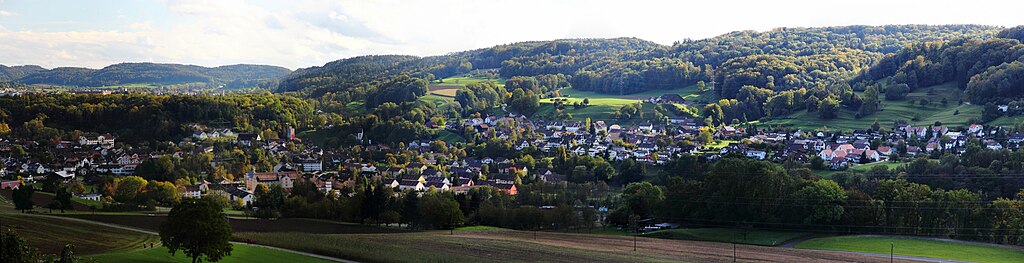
{"points": [[6, 13], [313, 32]]}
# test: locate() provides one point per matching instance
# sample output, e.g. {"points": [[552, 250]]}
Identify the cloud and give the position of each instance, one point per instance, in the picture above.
{"points": [[7, 13], [307, 33]]}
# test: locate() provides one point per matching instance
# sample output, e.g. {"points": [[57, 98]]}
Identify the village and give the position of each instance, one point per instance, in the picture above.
{"points": [[93, 155]]}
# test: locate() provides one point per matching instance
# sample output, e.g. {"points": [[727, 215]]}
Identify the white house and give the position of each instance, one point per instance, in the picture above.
{"points": [[756, 154], [91, 197]]}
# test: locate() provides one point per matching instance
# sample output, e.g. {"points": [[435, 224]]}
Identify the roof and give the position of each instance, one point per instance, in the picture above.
{"points": [[247, 136]]}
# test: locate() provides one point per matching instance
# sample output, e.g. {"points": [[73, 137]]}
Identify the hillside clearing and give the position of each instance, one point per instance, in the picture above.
{"points": [[950, 114]]}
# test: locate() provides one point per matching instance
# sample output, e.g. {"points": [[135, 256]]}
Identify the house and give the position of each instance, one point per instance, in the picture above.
{"points": [[195, 190], [310, 164], [913, 150], [503, 186], [416, 168], [90, 197], [248, 139], [437, 186], [884, 150], [285, 179], [463, 181], [976, 129], [670, 98], [413, 185], [103, 140], [727, 132], [756, 154], [235, 194], [13, 184], [838, 163]]}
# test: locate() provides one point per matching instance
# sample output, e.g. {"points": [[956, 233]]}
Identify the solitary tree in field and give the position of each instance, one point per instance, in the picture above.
{"points": [[197, 228], [22, 198]]}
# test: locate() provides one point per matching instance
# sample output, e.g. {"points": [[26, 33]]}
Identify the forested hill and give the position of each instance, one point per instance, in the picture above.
{"points": [[143, 73], [808, 56], [17, 72]]}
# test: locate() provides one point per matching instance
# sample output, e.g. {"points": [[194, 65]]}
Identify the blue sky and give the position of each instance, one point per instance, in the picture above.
{"points": [[303, 33]]}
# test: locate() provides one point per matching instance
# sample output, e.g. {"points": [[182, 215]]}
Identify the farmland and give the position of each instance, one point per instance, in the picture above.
{"points": [[481, 244], [50, 234], [523, 246], [754, 237], [954, 250], [152, 223], [239, 253]]}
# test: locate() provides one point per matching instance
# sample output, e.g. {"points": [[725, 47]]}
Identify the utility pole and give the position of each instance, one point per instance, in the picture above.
{"points": [[892, 250], [734, 251]]}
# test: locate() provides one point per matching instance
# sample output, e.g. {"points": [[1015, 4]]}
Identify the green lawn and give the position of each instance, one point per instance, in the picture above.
{"points": [[239, 253], [719, 144], [917, 247], [449, 137], [754, 237], [893, 110]]}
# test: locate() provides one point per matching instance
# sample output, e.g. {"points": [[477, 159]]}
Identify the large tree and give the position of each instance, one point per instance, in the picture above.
{"points": [[822, 202], [197, 228], [440, 210], [642, 198], [22, 198]]}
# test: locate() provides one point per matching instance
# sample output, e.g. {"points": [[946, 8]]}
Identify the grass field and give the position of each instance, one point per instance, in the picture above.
{"points": [[50, 234], [481, 228], [444, 92], [602, 106], [754, 237], [42, 198], [438, 100], [894, 110], [857, 168], [917, 247], [239, 253], [689, 91], [463, 81], [449, 137]]}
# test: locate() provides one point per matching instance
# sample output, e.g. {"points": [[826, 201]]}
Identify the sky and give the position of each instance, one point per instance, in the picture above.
{"points": [[304, 33]]}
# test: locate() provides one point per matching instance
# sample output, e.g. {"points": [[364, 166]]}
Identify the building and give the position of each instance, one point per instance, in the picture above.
{"points": [[91, 197], [285, 179], [289, 133], [248, 139]]}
